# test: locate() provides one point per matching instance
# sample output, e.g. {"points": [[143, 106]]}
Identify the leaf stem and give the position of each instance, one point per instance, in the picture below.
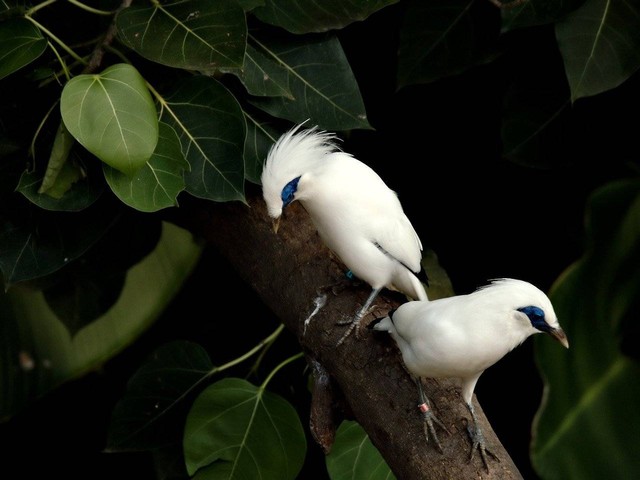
{"points": [[91, 9], [64, 46], [282, 364], [40, 6], [240, 359]]}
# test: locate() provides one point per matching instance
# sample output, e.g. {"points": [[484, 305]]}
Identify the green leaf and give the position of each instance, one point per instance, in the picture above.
{"points": [[78, 185], [600, 45], [317, 16], [62, 145], [587, 425], [40, 353], [211, 127], [84, 290], [262, 76], [536, 12], [238, 430], [260, 138], [37, 243], [156, 185], [151, 414], [113, 116], [537, 124], [190, 34], [440, 39], [20, 44], [320, 79], [353, 456]]}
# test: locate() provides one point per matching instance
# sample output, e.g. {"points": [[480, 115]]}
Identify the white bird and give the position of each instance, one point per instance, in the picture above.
{"points": [[356, 214], [461, 336]]}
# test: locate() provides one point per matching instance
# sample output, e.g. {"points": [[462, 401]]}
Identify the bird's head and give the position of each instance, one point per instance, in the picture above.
{"points": [[531, 307], [290, 161], [545, 322]]}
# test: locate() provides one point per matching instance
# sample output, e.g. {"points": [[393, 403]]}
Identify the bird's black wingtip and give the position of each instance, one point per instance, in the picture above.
{"points": [[375, 321], [422, 276]]}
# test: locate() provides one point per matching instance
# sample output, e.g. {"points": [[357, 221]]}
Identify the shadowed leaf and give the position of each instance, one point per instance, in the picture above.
{"points": [[192, 34], [298, 16], [211, 127], [20, 44], [439, 39], [587, 424], [600, 44], [320, 79], [40, 354], [151, 415]]}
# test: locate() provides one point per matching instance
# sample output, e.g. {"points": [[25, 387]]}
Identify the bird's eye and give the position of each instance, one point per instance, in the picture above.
{"points": [[289, 191], [536, 317]]}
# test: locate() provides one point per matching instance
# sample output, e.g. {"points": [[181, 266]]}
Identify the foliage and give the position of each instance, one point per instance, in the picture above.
{"points": [[598, 297], [110, 113]]}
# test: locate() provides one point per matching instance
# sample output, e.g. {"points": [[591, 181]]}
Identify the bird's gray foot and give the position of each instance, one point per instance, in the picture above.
{"points": [[478, 444], [430, 423], [354, 323], [353, 326]]}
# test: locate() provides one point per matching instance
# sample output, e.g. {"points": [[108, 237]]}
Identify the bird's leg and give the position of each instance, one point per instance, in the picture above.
{"points": [[354, 323], [429, 418], [477, 439]]}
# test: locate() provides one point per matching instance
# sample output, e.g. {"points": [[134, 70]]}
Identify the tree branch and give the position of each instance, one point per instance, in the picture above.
{"points": [[292, 269]]}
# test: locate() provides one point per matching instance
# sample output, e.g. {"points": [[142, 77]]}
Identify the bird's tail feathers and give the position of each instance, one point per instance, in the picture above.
{"points": [[418, 286]]}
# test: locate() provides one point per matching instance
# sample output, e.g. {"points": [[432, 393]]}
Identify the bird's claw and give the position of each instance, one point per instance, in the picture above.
{"points": [[354, 325], [430, 422], [478, 443]]}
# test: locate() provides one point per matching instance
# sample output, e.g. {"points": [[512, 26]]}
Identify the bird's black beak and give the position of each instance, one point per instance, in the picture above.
{"points": [[276, 224], [559, 335]]}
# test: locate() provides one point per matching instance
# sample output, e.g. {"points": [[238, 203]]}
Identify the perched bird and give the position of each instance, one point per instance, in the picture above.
{"points": [[461, 336], [356, 214]]}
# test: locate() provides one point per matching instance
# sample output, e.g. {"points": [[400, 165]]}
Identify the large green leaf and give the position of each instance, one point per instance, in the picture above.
{"points": [[537, 125], [236, 430], [260, 138], [211, 127], [536, 12], [37, 243], [113, 116], [299, 16], [354, 457], [191, 34], [321, 80], [587, 426], [85, 289], [151, 414], [439, 39], [38, 352], [156, 185], [600, 45], [263, 76], [20, 44]]}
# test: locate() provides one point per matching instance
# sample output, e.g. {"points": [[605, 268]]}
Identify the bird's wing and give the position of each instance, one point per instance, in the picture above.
{"points": [[395, 235]]}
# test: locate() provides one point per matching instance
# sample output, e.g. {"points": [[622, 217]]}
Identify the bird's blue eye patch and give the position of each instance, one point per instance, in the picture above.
{"points": [[289, 191], [536, 317]]}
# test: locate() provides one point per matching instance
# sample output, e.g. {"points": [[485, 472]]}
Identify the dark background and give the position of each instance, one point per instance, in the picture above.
{"points": [[439, 147]]}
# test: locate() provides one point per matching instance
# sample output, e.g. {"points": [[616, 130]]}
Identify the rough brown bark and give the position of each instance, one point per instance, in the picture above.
{"points": [[365, 375]]}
